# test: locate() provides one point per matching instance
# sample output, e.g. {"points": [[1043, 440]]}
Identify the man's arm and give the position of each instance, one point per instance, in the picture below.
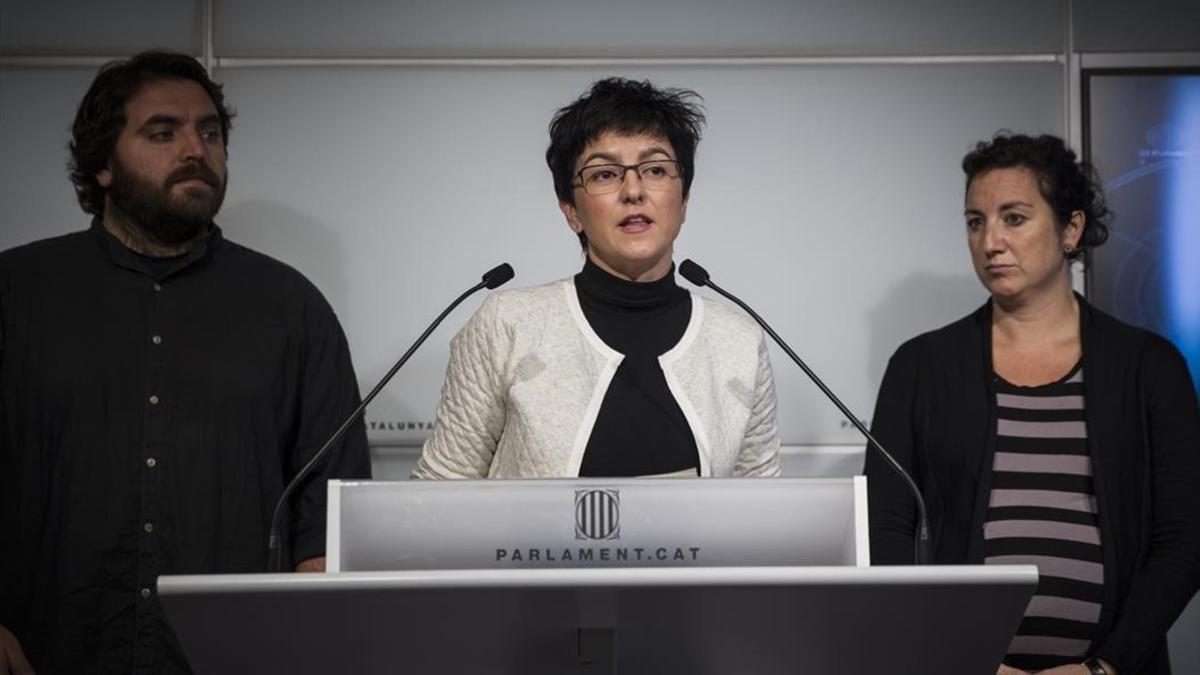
{"points": [[316, 564], [328, 393], [12, 659]]}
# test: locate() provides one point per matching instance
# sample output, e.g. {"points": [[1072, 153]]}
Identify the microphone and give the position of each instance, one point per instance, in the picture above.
{"points": [[493, 278], [923, 546]]}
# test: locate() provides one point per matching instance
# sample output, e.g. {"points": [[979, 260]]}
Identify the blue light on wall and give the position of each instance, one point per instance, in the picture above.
{"points": [[1181, 238]]}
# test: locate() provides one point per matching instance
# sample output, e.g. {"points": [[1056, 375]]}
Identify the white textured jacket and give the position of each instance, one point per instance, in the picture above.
{"points": [[527, 375]]}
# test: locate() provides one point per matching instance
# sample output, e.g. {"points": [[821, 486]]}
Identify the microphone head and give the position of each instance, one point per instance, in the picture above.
{"points": [[693, 272], [498, 276]]}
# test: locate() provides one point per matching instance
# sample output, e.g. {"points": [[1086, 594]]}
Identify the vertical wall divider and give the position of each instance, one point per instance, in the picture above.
{"points": [[206, 43]]}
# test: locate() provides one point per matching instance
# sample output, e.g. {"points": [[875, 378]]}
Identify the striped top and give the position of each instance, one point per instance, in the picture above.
{"points": [[1043, 511]]}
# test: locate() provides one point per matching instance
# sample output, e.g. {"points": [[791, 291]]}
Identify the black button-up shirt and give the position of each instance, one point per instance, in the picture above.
{"points": [[148, 424]]}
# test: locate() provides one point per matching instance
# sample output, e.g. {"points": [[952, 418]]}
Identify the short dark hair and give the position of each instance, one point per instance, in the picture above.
{"points": [[623, 106], [1065, 182], [101, 114]]}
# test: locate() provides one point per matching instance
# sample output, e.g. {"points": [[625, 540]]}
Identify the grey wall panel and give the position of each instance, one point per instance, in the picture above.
{"points": [[1149, 26], [830, 197], [91, 28], [450, 28], [36, 110]]}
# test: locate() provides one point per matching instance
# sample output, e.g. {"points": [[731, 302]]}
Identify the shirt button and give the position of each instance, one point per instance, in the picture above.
{"points": [[153, 399], [151, 462], [157, 287], [148, 527], [145, 592], [157, 339]]}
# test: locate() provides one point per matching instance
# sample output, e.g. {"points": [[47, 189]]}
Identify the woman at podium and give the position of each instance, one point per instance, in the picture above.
{"points": [[616, 371], [1043, 431]]}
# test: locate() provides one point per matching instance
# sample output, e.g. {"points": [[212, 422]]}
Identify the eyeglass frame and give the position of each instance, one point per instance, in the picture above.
{"points": [[625, 168]]}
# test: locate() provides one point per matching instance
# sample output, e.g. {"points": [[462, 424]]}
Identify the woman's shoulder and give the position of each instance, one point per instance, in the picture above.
{"points": [[723, 318], [516, 304], [516, 314], [531, 296]]}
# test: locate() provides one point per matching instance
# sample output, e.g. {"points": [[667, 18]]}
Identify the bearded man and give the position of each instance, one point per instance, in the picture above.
{"points": [[159, 385]]}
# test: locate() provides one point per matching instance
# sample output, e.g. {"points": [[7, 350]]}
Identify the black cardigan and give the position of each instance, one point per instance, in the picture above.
{"points": [[936, 413]]}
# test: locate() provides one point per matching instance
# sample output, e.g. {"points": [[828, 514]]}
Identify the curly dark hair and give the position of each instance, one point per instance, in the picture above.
{"points": [[1065, 182], [628, 107], [101, 114]]}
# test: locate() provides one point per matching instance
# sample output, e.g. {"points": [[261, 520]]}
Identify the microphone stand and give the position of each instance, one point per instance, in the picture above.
{"points": [[923, 554], [495, 277]]}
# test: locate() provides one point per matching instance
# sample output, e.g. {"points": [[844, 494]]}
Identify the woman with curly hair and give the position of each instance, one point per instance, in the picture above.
{"points": [[1043, 431]]}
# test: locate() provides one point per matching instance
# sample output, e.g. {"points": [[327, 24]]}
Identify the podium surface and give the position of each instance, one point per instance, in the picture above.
{"points": [[745, 620]]}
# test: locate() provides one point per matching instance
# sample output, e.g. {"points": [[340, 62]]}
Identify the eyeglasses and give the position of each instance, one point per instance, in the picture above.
{"points": [[655, 174]]}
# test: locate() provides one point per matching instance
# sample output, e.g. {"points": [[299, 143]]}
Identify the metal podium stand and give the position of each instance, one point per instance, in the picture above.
{"points": [[752, 577]]}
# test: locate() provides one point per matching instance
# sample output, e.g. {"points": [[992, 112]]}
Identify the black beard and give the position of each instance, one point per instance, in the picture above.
{"points": [[159, 217]]}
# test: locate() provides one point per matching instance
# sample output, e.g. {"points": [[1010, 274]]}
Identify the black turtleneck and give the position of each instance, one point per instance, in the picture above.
{"points": [[640, 429]]}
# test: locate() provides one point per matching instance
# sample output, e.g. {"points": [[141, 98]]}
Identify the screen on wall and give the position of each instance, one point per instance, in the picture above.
{"points": [[1142, 132]]}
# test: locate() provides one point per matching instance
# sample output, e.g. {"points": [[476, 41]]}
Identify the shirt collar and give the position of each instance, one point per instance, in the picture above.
{"points": [[121, 256], [621, 295]]}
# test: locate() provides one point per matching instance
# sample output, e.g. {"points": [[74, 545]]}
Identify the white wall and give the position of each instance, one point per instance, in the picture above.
{"points": [[827, 193], [809, 200]]}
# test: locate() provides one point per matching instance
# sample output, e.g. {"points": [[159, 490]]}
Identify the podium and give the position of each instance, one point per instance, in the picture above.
{"points": [[753, 576], [574, 523]]}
